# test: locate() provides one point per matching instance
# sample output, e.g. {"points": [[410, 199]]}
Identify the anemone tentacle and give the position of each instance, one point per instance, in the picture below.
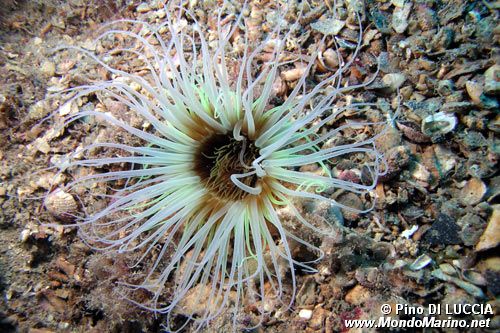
{"points": [[220, 160]]}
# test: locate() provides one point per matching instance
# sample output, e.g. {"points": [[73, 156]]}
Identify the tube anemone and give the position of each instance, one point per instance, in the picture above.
{"points": [[218, 161]]}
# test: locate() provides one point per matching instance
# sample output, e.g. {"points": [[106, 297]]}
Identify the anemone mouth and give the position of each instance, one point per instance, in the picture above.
{"points": [[217, 157]]}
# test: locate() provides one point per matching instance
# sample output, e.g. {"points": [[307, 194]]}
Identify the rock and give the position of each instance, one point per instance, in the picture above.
{"points": [[492, 80], [472, 228], [445, 87], [65, 66], [7, 107], [161, 14], [351, 200], [307, 293], [368, 277], [412, 131], [400, 17], [48, 68], [492, 275], [407, 233], [494, 124], [293, 74], [473, 191], [196, 300], [331, 58], [444, 231], [329, 26], [318, 318], [443, 39], [65, 266], [473, 139], [25, 235], [68, 108], [390, 139], [494, 189], [448, 269], [445, 161], [49, 180], [397, 158], [457, 107], [426, 107], [475, 121], [478, 166], [39, 110], [334, 215], [421, 173], [357, 295], [426, 17], [380, 21], [42, 145], [488, 102], [394, 80], [398, 3], [491, 236], [475, 90], [143, 8], [455, 96]]}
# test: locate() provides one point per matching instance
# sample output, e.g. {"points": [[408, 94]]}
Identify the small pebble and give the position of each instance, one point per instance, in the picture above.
{"points": [[24, 236], [394, 80], [67, 108], [444, 231], [457, 107], [143, 8], [400, 18], [472, 228], [161, 14], [475, 90], [328, 27], [420, 173], [491, 236], [492, 80], [293, 74], [426, 17], [397, 158], [445, 87], [48, 68], [357, 295], [42, 145], [305, 314], [398, 3]]}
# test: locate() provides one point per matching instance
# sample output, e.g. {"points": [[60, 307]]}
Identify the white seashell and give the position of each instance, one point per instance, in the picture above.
{"points": [[439, 123], [61, 205], [420, 262]]}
